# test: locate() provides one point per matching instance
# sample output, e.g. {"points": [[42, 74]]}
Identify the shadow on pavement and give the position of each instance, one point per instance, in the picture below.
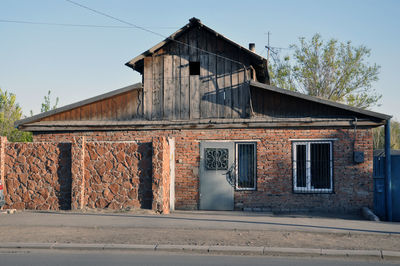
{"points": [[200, 219]]}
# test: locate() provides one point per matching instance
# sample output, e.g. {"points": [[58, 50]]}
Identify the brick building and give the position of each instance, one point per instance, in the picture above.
{"points": [[228, 139]]}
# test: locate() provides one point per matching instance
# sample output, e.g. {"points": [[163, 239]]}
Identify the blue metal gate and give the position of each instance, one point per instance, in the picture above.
{"points": [[380, 190]]}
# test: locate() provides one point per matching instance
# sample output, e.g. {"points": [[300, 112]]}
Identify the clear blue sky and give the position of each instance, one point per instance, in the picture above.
{"points": [[76, 63]]}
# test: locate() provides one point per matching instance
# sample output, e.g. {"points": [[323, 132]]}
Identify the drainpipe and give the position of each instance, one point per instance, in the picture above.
{"points": [[388, 169]]}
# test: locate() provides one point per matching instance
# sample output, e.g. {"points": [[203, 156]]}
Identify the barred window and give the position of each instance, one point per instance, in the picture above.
{"points": [[312, 167], [245, 166]]}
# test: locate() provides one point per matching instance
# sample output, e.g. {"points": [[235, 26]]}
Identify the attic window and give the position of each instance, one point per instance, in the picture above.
{"points": [[194, 68]]}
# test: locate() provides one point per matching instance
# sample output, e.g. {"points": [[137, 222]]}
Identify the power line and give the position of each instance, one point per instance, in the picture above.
{"points": [[72, 25], [153, 32], [114, 18], [169, 38]]}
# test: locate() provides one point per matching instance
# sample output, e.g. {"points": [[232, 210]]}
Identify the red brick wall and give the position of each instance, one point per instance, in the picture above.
{"points": [[37, 175], [352, 182]]}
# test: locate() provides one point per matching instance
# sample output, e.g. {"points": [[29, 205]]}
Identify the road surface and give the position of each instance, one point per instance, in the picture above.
{"points": [[62, 258]]}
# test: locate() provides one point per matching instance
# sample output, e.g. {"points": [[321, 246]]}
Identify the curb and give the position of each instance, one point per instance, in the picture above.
{"points": [[228, 250]]}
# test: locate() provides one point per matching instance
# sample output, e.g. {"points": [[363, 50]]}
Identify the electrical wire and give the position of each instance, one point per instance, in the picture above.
{"points": [[152, 32], [171, 39], [114, 18], [72, 25]]}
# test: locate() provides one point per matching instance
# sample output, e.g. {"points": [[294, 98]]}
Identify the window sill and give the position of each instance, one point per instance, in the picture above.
{"points": [[313, 191], [245, 189]]}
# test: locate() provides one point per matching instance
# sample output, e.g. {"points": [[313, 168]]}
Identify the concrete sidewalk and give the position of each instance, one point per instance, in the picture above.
{"points": [[201, 230], [202, 220]]}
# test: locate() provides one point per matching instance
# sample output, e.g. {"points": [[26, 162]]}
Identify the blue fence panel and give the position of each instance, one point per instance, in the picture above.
{"points": [[396, 187], [379, 187]]}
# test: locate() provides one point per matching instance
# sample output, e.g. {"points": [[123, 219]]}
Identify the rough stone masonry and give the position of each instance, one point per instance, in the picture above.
{"points": [[80, 173]]}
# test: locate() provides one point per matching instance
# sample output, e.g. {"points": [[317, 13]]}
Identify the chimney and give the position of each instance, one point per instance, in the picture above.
{"points": [[252, 47]]}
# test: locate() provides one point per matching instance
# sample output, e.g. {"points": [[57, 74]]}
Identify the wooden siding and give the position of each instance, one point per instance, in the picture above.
{"points": [[125, 106], [220, 91]]}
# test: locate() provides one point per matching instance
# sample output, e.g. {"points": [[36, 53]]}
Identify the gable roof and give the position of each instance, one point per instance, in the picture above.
{"points": [[78, 104], [314, 99], [136, 63]]}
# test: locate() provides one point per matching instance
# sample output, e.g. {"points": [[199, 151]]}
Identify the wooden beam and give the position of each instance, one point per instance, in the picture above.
{"points": [[200, 124], [148, 87], [169, 88], [194, 80]]}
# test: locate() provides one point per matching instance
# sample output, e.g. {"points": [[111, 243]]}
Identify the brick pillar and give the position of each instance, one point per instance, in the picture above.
{"points": [[3, 143], [161, 175], [78, 173]]}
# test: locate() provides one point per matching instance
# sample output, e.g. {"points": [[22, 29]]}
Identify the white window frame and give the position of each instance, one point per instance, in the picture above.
{"points": [[309, 188], [237, 165]]}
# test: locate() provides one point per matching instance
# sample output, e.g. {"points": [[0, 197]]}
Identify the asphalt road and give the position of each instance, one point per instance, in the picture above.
{"points": [[44, 258]]}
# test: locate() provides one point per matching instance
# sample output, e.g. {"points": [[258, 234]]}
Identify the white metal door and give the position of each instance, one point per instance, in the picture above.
{"points": [[216, 190]]}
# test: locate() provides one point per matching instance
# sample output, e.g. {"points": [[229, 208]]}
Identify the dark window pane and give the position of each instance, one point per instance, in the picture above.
{"points": [[301, 165], [246, 171], [194, 68], [320, 165]]}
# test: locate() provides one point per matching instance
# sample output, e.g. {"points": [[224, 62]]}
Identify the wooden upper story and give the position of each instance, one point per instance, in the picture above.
{"points": [[197, 73]]}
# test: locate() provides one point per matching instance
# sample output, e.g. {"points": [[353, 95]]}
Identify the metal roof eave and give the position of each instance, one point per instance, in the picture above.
{"points": [[321, 101], [77, 104]]}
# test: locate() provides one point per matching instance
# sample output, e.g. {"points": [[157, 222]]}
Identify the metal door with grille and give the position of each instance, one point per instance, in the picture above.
{"points": [[216, 192]]}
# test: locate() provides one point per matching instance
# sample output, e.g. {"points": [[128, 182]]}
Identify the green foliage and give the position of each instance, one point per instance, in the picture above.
{"points": [[46, 105], [331, 70], [379, 136], [9, 113]]}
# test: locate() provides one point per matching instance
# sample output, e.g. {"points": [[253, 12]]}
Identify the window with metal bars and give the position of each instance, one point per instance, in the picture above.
{"points": [[246, 166], [312, 167]]}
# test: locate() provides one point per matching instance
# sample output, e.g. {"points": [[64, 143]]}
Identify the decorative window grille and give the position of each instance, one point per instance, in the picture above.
{"points": [[312, 167], [245, 166], [216, 159]]}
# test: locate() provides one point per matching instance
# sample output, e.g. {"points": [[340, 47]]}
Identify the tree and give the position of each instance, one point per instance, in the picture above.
{"points": [[46, 105], [9, 113], [331, 70], [379, 136]]}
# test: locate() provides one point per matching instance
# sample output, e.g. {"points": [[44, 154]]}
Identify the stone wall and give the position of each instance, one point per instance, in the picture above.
{"points": [[82, 173], [118, 175], [37, 175], [352, 182], [161, 175]]}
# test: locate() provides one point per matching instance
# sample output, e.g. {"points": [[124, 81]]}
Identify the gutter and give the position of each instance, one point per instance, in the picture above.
{"points": [[388, 172]]}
